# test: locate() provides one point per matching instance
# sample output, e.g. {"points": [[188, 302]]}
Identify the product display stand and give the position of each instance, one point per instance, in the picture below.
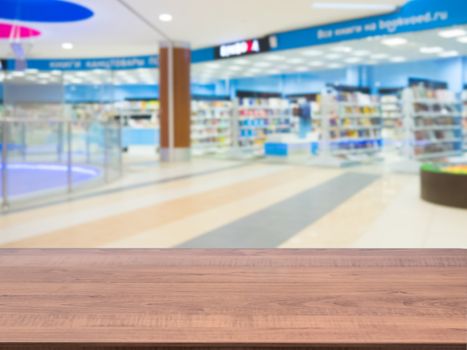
{"points": [[326, 157], [392, 114], [295, 146], [351, 129], [432, 124], [140, 121], [445, 184], [211, 127], [90, 111], [256, 118]]}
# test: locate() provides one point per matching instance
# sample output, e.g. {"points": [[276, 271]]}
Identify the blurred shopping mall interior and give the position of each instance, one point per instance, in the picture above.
{"points": [[233, 124]]}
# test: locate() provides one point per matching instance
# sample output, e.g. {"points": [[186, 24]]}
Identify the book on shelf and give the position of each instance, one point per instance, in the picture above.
{"points": [[257, 118], [351, 125], [211, 126], [433, 123]]}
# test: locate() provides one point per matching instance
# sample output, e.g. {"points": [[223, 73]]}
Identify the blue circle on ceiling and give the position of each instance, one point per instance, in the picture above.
{"points": [[43, 11]]}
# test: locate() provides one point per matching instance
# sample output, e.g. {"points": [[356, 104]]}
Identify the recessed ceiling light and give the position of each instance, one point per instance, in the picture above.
{"points": [[379, 56], [274, 72], [235, 68], [353, 6], [449, 54], [165, 17], [213, 65], [361, 53], [312, 53], [250, 73], [275, 58], [316, 64], [262, 64], [333, 56], [353, 60], [296, 60], [335, 66], [430, 50], [394, 41], [345, 49], [67, 46], [398, 59], [452, 33], [241, 61], [302, 69], [246, 74], [462, 40]]}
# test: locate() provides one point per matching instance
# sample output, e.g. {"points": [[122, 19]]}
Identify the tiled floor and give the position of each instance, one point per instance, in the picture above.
{"points": [[214, 203]]}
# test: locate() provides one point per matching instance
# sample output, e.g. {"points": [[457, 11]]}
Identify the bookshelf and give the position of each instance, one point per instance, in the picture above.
{"points": [[211, 127], [256, 118], [392, 115], [351, 127], [432, 123]]}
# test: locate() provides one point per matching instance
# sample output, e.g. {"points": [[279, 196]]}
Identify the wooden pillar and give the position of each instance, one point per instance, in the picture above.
{"points": [[175, 101]]}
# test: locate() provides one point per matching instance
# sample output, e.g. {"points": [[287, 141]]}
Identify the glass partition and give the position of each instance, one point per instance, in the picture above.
{"points": [[44, 159]]}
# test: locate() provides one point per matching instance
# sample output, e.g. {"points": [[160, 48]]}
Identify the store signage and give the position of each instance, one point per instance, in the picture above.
{"points": [[243, 48], [113, 63], [382, 26], [415, 16]]}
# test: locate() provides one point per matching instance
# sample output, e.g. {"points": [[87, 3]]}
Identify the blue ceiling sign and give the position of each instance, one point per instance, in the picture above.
{"points": [[416, 15], [110, 63], [43, 11]]}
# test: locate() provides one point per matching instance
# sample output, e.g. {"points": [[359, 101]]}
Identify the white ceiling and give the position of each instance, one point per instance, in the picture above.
{"points": [[114, 31]]}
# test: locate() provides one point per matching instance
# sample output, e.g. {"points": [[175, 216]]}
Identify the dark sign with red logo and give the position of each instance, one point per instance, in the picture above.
{"points": [[243, 48]]}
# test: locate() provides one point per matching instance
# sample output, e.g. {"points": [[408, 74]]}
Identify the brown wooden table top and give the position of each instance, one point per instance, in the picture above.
{"points": [[234, 297]]}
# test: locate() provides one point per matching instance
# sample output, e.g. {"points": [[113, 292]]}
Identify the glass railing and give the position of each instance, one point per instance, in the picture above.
{"points": [[51, 159]]}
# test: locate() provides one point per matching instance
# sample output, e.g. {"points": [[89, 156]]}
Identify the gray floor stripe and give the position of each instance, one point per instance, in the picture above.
{"points": [[274, 225], [98, 193]]}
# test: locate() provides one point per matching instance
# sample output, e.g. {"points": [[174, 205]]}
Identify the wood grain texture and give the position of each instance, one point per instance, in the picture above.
{"points": [[333, 299]]}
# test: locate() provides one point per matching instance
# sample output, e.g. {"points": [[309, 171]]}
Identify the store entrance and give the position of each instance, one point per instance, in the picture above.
{"points": [[394, 101]]}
